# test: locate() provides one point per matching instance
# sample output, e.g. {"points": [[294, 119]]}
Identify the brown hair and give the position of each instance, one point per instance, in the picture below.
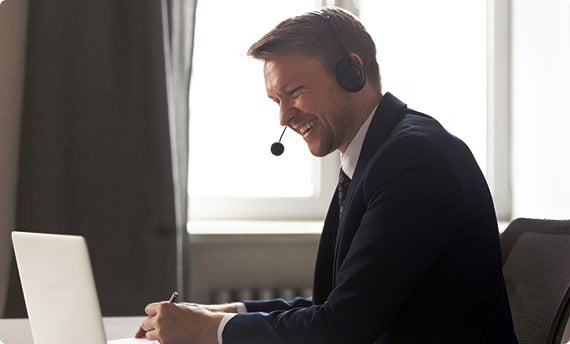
{"points": [[311, 34]]}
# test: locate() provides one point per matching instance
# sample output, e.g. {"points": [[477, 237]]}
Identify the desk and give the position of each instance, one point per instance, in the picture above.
{"points": [[17, 331]]}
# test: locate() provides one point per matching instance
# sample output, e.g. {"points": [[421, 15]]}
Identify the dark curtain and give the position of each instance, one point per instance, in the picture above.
{"points": [[179, 23], [97, 156]]}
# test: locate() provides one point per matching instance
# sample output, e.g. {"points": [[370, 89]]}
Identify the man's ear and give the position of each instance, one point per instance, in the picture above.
{"points": [[357, 58], [350, 73]]}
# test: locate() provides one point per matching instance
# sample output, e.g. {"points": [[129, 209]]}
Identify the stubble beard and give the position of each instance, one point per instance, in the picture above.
{"points": [[338, 135]]}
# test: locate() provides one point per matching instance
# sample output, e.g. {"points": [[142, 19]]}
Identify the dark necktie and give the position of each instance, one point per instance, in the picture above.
{"points": [[343, 183]]}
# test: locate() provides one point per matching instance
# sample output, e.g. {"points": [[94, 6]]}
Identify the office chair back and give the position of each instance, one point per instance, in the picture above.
{"points": [[536, 266]]}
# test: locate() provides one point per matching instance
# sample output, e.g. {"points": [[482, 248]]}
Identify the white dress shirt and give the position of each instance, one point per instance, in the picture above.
{"points": [[350, 157]]}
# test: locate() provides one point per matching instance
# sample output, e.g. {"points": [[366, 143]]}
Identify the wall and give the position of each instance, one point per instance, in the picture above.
{"points": [[541, 108], [12, 43], [250, 261]]}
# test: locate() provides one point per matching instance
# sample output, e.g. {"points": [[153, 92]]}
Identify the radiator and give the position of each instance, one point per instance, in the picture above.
{"points": [[258, 293]]}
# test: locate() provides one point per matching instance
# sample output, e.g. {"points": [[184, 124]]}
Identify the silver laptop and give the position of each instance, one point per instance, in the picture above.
{"points": [[59, 289]]}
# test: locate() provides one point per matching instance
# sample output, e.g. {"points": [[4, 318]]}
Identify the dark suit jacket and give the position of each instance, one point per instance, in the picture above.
{"points": [[415, 257]]}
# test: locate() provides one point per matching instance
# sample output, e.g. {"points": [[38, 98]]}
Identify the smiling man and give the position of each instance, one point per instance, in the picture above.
{"points": [[409, 251], [313, 104]]}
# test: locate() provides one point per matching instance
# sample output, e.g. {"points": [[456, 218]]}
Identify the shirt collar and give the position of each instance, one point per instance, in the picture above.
{"points": [[350, 157]]}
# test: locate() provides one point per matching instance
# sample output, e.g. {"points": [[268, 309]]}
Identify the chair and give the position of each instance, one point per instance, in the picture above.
{"points": [[536, 266]]}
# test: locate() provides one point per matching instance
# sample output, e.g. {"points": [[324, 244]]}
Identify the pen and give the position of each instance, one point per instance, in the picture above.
{"points": [[173, 297]]}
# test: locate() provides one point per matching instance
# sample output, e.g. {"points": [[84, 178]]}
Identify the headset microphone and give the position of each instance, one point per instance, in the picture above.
{"points": [[277, 148]]}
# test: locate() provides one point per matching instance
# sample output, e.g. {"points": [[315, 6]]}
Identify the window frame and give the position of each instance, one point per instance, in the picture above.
{"points": [[499, 128]]}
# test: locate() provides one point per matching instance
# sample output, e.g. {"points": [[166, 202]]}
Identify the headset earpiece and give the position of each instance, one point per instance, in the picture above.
{"points": [[349, 72], [350, 75]]}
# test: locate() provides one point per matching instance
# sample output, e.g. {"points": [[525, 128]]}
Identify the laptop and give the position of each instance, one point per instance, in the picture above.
{"points": [[59, 289]]}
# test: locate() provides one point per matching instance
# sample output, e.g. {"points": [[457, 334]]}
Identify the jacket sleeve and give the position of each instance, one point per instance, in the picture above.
{"points": [[277, 304]]}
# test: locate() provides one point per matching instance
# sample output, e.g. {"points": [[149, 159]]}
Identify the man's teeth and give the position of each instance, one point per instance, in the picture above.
{"points": [[305, 129]]}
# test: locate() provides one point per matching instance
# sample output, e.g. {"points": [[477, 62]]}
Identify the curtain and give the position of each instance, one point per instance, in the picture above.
{"points": [[179, 17], [99, 155]]}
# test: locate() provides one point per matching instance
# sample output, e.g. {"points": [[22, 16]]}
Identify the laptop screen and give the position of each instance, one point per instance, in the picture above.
{"points": [[59, 288]]}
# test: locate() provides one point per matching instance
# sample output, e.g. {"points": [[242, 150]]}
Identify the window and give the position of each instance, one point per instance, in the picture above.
{"points": [[433, 55], [232, 124], [451, 59]]}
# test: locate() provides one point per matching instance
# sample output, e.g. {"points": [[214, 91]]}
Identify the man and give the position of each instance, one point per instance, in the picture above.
{"points": [[409, 251]]}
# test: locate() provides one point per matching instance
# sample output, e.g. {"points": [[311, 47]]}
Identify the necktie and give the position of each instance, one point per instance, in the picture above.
{"points": [[343, 183]]}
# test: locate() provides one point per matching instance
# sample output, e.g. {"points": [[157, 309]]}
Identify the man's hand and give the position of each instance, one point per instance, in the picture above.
{"points": [[177, 323]]}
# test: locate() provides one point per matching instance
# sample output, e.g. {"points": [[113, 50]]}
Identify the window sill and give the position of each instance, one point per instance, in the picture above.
{"points": [[247, 230], [203, 229]]}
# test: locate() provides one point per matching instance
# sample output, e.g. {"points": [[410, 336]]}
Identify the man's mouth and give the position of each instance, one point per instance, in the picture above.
{"points": [[306, 128]]}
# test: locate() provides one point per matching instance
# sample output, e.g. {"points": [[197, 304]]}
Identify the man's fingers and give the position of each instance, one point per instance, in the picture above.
{"points": [[152, 308], [141, 333], [146, 326], [152, 335], [149, 328]]}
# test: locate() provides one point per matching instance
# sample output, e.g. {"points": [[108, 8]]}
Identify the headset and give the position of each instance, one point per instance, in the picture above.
{"points": [[348, 71]]}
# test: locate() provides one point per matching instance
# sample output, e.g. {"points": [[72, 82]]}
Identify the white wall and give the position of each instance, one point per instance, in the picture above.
{"points": [[541, 108], [12, 43], [226, 261]]}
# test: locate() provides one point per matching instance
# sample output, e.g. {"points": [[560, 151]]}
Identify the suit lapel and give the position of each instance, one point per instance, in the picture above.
{"points": [[333, 244], [388, 114], [324, 276]]}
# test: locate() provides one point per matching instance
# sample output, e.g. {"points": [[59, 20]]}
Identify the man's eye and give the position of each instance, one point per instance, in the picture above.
{"points": [[295, 92]]}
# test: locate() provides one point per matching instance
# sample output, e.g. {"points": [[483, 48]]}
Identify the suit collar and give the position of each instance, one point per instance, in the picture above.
{"points": [[388, 114]]}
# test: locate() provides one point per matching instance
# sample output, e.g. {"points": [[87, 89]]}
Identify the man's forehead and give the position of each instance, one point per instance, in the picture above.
{"points": [[293, 61], [281, 72]]}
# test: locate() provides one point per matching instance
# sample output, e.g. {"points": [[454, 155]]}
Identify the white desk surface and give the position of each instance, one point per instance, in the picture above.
{"points": [[17, 331]]}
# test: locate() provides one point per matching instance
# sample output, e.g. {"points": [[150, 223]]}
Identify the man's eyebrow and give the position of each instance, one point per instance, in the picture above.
{"points": [[285, 87]]}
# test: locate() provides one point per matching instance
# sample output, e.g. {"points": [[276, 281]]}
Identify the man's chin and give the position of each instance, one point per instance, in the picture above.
{"points": [[320, 152]]}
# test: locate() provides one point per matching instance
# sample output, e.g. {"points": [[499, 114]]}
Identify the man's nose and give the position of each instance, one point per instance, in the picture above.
{"points": [[286, 112]]}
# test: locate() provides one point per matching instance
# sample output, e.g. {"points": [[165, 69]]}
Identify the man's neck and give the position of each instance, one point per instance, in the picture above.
{"points": [[363, 106], [349, 158]]}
